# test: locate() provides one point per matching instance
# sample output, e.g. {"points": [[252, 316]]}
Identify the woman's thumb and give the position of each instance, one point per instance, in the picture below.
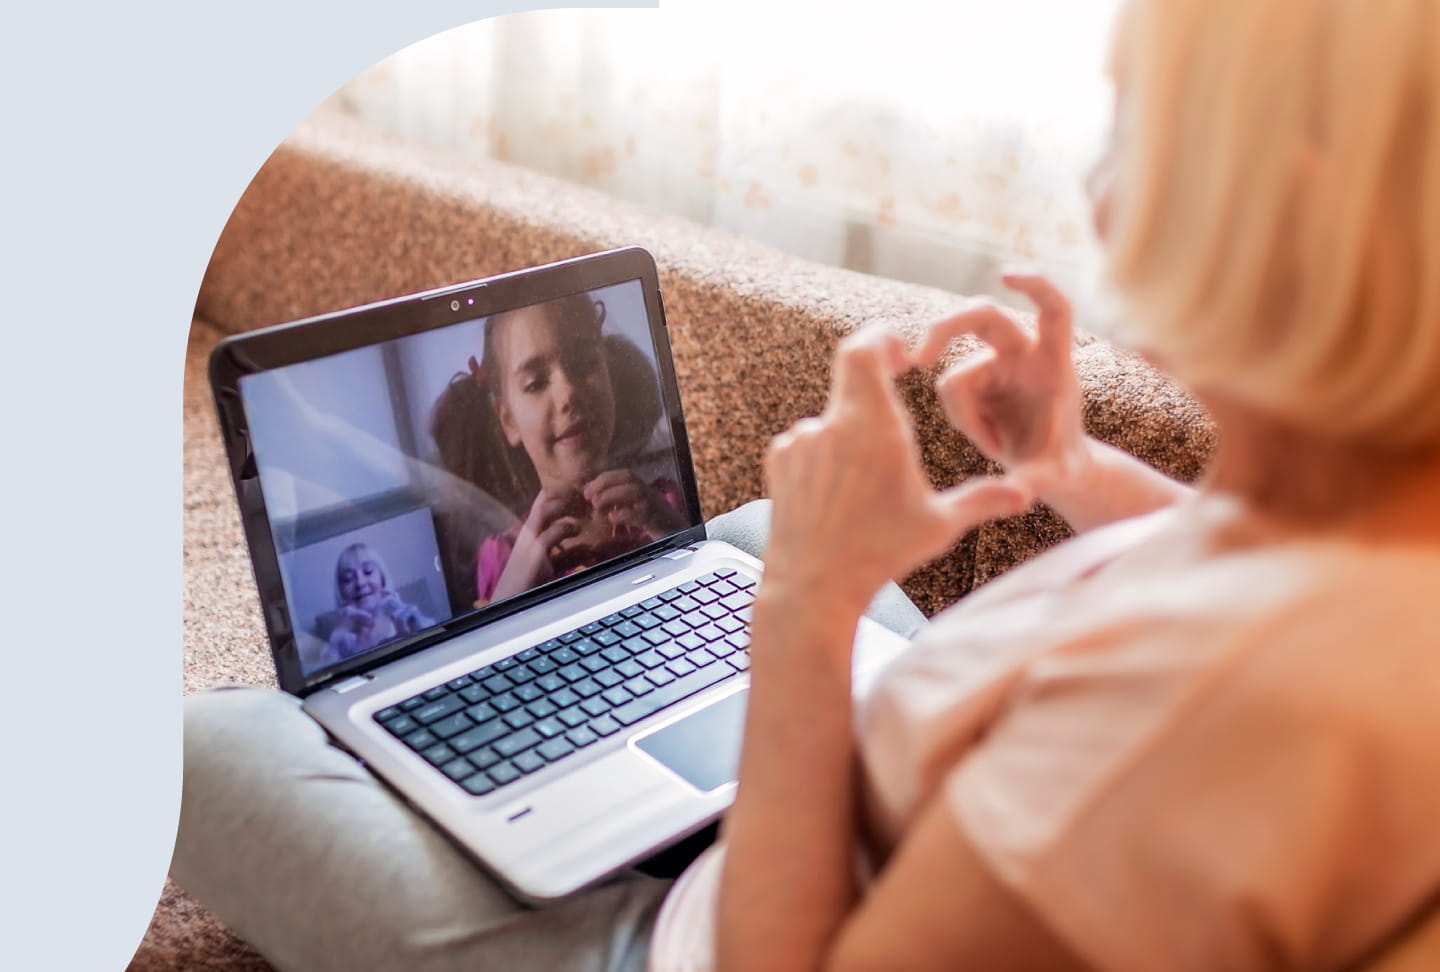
{"points": [[982, 499]]}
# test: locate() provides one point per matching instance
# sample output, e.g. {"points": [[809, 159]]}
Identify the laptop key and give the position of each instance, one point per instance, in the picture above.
{"points": [[521, 674], [439, 753], [660, 677], [550, 683], [503, 773], [564, 698], [629, 668], [402, 726], [715, 611], [438, 692], [737, 601], [573, 716], [517, 743], [567, 638], [498, 683], [529, 693], [483, 712], [729, 625], [554, 749], [596, 663], [458, 768], [609, 678], [690, 641], [549, 728], [474, 693], [451, 725], [627, 629], [410, 705], [586, 688], [705, 597], [617, 696], [671, 649], [529, 654], [604, 726], [478, 785], [505, 664], [631, 611], [436, 711], [651, 603], [385, 715], [680, 667], [725, 572], [420, 739], [458, 683], [596, 706], [581, 737], [472, 739], [671, 594], [657, 637], [591, 628], [667, 695], [740, 661], [685, 605], [542, 709], [647, 621], [518, 719], [564, 656], [505, 702], [700, 658], [710, 632], [639, 686], [573, 673], [528, 762], [650, 659], [585, 646], [484, 758], [543, 666]]}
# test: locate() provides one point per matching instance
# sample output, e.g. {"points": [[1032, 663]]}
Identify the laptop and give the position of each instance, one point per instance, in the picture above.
{"points": [[477, 538]]}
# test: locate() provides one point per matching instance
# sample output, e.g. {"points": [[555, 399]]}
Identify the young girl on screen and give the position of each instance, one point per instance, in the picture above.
{"points": [[367, 612], [537, 423]]}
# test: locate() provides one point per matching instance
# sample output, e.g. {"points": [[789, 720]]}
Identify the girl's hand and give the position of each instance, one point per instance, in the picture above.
{"points": [[623, 500], [1019, 401], [853, 508], [552, 520]]}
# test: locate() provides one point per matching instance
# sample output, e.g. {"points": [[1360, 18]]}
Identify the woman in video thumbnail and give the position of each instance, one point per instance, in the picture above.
{"points": [[367, 612], [540, 427]]}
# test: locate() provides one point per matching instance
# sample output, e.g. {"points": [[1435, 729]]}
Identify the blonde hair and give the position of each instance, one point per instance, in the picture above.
{"points": [[1275, 233]]}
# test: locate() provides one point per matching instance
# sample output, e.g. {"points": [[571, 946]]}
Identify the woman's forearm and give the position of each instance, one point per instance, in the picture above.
{"points": [[1105, 484], [789, 878]]}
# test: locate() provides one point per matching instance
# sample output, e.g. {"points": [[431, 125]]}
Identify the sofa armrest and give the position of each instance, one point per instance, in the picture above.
{"points": [[341, 215]]}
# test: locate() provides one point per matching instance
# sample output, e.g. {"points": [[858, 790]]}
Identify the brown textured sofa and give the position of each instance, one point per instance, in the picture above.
{"points": [[342, 215]]}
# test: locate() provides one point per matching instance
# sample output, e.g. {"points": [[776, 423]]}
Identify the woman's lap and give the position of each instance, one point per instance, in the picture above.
{"points": [[307, 856]]}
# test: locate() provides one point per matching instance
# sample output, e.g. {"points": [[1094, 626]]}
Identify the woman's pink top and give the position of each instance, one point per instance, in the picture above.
{"points": [[1184, 741]]}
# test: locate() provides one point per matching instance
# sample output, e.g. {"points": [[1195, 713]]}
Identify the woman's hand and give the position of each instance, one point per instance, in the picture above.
{"points": [[622, 499], [1019, 401], [853, 508], [554, 518]]}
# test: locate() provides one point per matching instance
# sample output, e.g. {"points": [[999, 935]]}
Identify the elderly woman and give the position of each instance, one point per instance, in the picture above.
{"points": [[1196, 737]]}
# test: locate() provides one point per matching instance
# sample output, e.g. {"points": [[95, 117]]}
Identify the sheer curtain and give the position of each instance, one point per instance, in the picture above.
{"points": [[899, 138]]}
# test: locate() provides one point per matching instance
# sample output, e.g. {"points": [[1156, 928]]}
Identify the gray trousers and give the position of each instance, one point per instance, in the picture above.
{"points": [[312, 860]]}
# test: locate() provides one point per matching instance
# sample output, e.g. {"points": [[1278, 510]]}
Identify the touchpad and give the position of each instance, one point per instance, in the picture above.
{"points": [[703, 749]]}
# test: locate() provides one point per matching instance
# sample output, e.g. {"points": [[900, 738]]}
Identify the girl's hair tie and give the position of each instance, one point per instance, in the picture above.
{"points": [[477, 374]]}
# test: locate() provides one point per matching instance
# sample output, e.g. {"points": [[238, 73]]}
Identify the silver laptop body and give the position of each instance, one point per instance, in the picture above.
{"points": [[595, 796]]}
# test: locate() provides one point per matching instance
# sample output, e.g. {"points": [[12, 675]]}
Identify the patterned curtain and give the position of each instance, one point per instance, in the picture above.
{"points": [[922, 141]]}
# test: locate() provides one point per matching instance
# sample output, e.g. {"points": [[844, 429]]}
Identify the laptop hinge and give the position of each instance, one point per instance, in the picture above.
{"points": [[679, 554], [350, 684]]}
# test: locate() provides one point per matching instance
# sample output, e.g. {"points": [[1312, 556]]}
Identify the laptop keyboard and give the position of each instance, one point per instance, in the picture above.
{"points": [[487, 729]]}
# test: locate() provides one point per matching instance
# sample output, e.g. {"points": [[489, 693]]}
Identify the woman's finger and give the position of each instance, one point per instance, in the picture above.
{"points": [[866, 366], [1055, 328], [982, 499], [959, 393], [984, 320]]}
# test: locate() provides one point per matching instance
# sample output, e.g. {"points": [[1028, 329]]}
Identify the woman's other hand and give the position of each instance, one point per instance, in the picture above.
{"points": [[554, 518], [1019, 400], [853, 507]]}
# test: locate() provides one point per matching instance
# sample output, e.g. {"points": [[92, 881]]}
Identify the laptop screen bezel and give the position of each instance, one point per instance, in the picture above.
{"points": [[316, 337]]}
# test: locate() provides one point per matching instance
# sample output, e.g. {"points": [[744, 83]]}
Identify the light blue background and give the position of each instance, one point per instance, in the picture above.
{"points": [[129, 131]]}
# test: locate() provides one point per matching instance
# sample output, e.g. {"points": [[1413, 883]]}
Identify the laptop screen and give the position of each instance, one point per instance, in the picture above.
{"points": [[418, 479]]}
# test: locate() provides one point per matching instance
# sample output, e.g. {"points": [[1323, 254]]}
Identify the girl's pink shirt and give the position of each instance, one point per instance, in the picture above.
{"points": [[1180, 754]]}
